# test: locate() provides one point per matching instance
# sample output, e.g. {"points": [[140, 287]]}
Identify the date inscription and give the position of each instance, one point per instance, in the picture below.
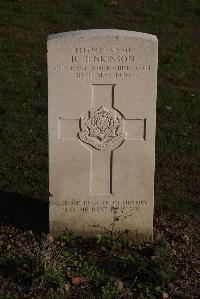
{"points": [[103, 63]]}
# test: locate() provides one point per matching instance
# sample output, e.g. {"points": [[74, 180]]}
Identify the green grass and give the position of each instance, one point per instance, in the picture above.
{"points": [[91, 268]]}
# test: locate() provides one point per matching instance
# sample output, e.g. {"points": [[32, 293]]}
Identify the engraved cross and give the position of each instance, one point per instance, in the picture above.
{"points": [[102, 131]]}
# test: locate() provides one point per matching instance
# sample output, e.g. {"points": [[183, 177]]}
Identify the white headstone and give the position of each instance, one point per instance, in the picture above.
{"points": [[102, 119]]}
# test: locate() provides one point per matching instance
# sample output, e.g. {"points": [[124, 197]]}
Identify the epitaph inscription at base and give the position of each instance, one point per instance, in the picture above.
{"points": [[102, 113]]}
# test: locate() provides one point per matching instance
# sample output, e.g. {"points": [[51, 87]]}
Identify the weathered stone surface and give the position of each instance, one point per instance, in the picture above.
{"points": [[102, 117]]}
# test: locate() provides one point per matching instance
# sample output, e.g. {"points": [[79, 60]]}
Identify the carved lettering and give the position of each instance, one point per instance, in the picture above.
{"points": [[74, 59], [109, 59]]}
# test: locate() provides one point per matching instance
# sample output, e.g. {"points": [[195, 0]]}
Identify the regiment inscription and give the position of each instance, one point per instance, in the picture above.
{"points": [[103, 63]]}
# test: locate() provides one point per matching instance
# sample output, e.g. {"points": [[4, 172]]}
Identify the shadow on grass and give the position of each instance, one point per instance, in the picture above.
{"points": [[24, 212]]}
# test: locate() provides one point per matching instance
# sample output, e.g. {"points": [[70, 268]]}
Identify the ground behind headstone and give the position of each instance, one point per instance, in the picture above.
{"points": [[23, 105]]}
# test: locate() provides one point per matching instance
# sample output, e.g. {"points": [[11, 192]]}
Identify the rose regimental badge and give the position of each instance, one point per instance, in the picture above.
{"points": [[103, 129]]}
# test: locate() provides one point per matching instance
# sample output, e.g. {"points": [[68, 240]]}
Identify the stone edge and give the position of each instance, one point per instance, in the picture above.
{"points": [[102, 32]]}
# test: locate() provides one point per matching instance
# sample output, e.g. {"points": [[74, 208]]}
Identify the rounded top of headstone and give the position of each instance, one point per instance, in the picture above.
{"points": [[102, 32]]}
